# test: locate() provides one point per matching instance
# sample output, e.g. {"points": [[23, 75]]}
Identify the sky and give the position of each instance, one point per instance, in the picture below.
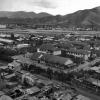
{"points": [[54, 7]]}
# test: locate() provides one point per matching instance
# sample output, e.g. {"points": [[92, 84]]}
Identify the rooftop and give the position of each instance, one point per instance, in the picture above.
{"points": [[56, 59], [49, 47], [6, 40], [79, 51]]}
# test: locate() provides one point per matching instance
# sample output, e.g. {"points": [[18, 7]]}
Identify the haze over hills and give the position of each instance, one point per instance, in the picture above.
{"points": [[81, 18]]}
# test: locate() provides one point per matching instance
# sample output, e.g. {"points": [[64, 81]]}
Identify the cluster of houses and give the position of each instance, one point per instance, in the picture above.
{"points": [[52, 57]]}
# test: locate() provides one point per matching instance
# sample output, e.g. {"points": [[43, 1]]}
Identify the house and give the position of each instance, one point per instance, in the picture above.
{"points": [[62, 95], [3, 26], [29, 79], [23, 60], [49, 49], [19, 75], [32, 91], [37, 56]]}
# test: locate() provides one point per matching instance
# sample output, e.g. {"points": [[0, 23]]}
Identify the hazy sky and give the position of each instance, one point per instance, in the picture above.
{"points": [[51, 6]]}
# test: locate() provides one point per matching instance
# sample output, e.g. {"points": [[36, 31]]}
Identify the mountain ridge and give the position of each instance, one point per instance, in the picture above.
{"points": [[81, 18], [22, 14]]}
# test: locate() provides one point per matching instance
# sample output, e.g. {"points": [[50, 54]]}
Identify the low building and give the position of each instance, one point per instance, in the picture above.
{"points": [[52, 60], [6, 41], [23, 60], [77, 53], [57, 60], [22, 46], [33, 91], [49, 49], [29, 79], [2, 26]]}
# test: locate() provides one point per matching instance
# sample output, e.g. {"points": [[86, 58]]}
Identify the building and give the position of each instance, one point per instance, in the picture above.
{"points": [[57, 60], [33, 91], [19, 46], [14, 66], [6, 41], [2, 26], [77, 53], [52, 60], [49, 49]]}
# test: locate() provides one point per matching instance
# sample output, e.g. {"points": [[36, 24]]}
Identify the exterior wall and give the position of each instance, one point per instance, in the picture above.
{"points": [[97, 48], [2, 26], [68, 62], [38, 50], [57, 52], [49, 52], [84, 56]]}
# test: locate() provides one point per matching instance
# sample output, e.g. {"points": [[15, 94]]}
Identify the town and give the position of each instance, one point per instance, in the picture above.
{"points": [[49, 65]]}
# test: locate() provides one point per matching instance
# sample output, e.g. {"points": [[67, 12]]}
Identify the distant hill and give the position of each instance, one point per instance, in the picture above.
{"points": [[22, 14], [81, 18]]}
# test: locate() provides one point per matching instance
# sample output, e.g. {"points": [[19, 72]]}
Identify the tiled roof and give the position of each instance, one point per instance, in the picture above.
{"points": [[48, 47], [22, 59], [79, 43], [64, 45], [55, 59], [50, 58]]}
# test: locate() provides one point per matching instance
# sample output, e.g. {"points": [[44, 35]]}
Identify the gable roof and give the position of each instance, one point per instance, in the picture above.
{"points": [[51, 58], [56, 59], [49, 47]]}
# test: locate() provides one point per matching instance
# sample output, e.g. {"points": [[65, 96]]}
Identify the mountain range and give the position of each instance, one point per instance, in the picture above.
{"points": [[87, 17], [22, 14]]}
